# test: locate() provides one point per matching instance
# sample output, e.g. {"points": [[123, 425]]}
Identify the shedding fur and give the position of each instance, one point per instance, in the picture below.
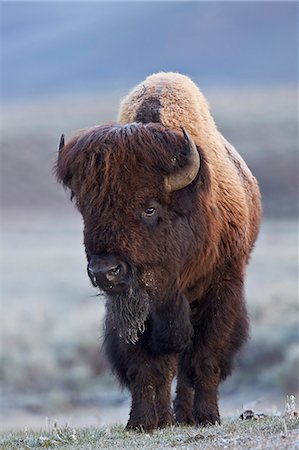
{"points": [[185, 311]]}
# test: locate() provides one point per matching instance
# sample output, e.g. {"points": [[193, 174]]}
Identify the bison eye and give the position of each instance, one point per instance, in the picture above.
{"points": [[149, 212], [150, 215]]}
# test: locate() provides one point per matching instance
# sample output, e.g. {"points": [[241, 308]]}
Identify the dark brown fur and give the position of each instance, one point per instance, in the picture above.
{"points": [[188, 265]]}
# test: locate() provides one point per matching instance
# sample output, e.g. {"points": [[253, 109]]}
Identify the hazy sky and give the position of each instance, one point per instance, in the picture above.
{"points": [[58, 47]]}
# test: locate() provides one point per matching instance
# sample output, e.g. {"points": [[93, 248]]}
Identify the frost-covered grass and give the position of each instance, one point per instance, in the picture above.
{"points": [[268, 433]]}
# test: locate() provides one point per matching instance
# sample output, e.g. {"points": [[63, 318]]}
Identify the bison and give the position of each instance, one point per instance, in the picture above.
{"points": [[171, 213]]}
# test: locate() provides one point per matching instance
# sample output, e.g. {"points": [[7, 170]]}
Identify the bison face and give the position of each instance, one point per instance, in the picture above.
{"points": [[133, 187]]}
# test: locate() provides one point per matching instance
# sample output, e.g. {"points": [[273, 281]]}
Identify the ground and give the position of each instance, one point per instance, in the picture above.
{"points": [[266, 433]]}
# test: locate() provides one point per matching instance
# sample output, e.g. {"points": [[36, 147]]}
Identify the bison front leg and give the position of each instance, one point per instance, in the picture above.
{"points": [[197, 386], [150, 385], [146, 375], [143, 414]]}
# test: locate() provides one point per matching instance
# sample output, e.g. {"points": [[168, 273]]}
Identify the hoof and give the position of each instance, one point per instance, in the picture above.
{"points": [[205, 420], [141, 427], [186, 422], [184, 418], [167, 421]]}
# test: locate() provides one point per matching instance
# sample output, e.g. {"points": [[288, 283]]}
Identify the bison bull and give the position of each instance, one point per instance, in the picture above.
{"points": [[171, 213]]}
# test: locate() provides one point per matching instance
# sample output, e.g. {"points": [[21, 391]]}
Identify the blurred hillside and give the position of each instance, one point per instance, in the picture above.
{"points": [[260, 123], [65, 47]]}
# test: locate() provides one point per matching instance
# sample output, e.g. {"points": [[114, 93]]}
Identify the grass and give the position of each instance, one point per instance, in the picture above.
{"points": [[267, 433]]}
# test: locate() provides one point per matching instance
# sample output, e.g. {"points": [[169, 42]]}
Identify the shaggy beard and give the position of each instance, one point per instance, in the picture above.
{"points": [[129, 312]]}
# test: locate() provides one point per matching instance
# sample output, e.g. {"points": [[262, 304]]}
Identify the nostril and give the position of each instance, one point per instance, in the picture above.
{"points": [[108, 272], [91, 275], [90, 270]]}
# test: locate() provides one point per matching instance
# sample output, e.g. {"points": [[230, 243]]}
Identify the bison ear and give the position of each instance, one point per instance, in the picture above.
{"points": [[64, 165]]}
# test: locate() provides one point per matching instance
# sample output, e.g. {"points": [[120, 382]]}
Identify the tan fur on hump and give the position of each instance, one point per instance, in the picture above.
{"points": [[182, 104]]}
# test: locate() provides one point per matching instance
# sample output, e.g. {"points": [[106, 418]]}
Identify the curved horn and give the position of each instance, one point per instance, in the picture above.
{"points": [[186, 175], [61, 142]]}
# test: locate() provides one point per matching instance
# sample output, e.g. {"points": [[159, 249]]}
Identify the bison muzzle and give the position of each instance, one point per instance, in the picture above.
{"points": [[171, 213]]}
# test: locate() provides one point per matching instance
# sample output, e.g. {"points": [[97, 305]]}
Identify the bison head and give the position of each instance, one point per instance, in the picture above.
{"points": [[135, 186]]}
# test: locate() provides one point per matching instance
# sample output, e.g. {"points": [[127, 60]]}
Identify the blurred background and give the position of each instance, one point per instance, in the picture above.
{"points": [[66, 65]]}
